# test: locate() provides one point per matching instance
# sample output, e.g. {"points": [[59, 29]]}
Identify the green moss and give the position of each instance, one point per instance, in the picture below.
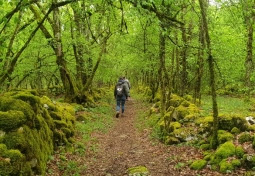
{"points": [[29, 98], [83, 117], [8, 103], [157, 104], [236, 163], [60, 123], [251, 127], [207, 157], [244, 137], [253, 141], [225, 166], [239, 151], [48, 103], [174, 126], [15, 140], [228, 122], [157, 97], [198, 164], [215, 160], [14, 155], [171, 140], [68, 132], [188, 98], [141, 170], [183, 111], [235, 130], [176, 100], [185, 103], [12, 161], [11, 120], [205, 146], [249, 160], [225, 150], [224, 136], [205, 123], [28, 132]]}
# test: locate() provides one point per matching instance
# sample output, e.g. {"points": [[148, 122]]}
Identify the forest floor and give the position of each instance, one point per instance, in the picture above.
{"points": [[125, 145]]}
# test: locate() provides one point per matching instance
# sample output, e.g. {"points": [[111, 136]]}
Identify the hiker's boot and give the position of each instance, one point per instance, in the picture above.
{"points": [[117, 114], [122, 113]]}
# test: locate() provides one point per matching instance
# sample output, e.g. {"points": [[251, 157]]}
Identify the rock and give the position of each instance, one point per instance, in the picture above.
{"points": [[250, 120], [138, 170]]}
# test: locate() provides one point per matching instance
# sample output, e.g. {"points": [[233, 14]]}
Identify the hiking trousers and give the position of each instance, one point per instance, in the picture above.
{"points": [[121, 102]]}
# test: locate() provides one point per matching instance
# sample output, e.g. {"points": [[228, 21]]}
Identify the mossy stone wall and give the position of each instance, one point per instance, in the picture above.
{"points": [[31, 127]]}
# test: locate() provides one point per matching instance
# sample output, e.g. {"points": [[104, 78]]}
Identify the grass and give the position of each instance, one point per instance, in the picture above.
{"points": [[69, 160], [226, 105], [101, 119]]}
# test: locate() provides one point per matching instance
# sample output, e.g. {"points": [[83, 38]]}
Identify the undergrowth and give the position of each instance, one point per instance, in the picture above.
{"points": [[70, 160], [226, 105]]}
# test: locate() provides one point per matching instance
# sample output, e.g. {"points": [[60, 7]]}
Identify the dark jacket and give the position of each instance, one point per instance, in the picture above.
{"points": [[125, 86]]}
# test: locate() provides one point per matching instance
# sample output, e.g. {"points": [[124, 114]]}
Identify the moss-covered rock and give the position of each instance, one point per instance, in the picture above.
{"points": [[225, 166], [244, 137], [235, 130], [138, 170], [198, 164], [175, 100], [249, 160], [205, 123], [224, 136], [239, 151], [11, 120], [225, 150], [29, 131], [236, 163], [174, 126], [184, 112], [207, 157], [9, 103], [171, 140], [228, 122]]}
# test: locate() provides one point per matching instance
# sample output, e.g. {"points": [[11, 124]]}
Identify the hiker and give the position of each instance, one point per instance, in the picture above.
{"points": [[127, 82], [121, 93]]}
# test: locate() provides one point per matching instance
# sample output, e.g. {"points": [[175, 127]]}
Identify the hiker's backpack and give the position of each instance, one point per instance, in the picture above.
{"points": [[120, 90]]}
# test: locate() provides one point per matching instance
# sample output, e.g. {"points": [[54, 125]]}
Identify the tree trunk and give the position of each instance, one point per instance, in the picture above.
{"points": [[103, 48], [71, 92], [162, 48], [249, 65], [184, 73], [200, 64], [214, 141], [77, 46]]}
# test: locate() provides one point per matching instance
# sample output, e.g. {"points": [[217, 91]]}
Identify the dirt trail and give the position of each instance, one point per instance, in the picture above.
{"points": [[124, 147]]}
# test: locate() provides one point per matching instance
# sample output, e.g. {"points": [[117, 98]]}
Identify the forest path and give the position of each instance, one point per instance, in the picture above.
{"points": [[124, 146]]}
